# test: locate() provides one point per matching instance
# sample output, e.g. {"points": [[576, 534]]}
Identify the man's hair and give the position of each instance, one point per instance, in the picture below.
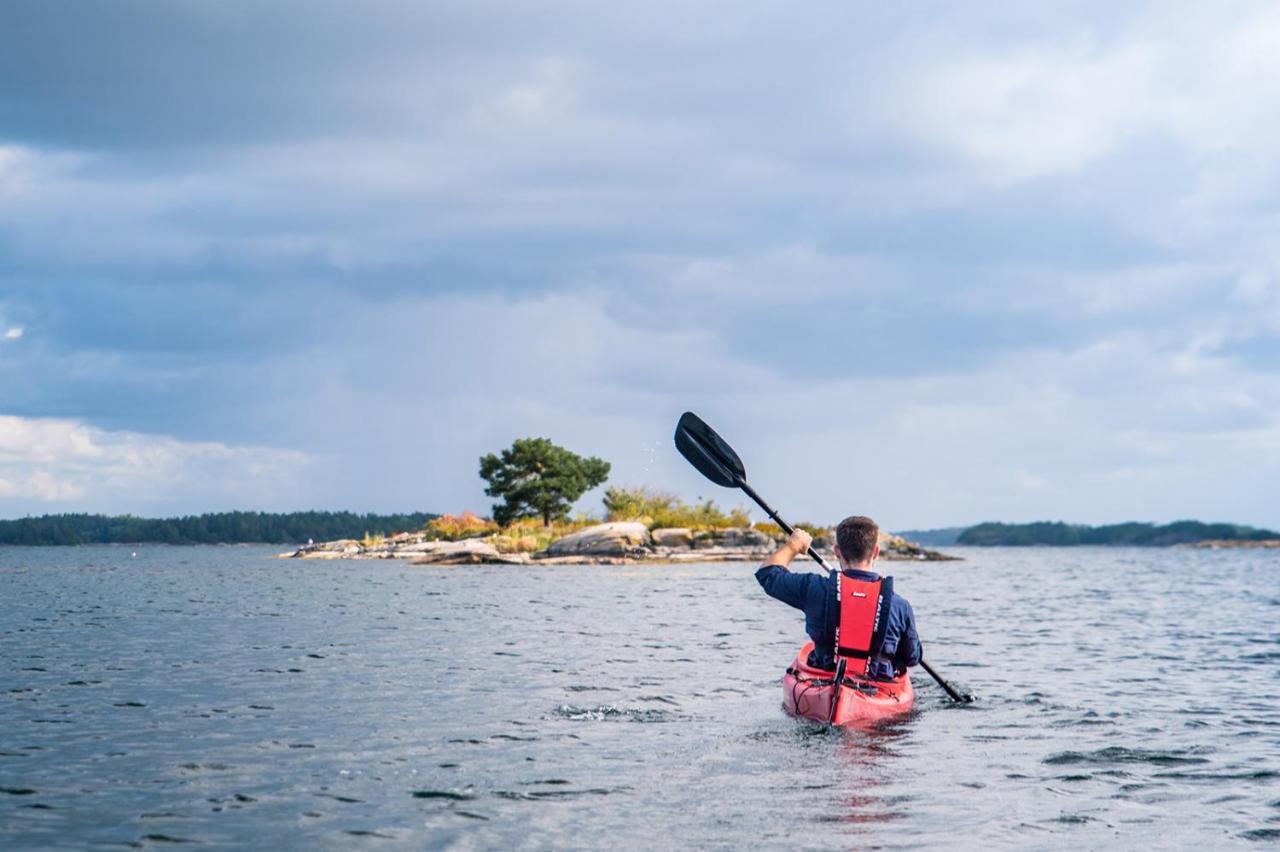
{"points": [[857, 537]]}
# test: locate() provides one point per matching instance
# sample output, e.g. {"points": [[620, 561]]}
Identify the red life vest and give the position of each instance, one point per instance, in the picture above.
{"points": [[864, 614]]}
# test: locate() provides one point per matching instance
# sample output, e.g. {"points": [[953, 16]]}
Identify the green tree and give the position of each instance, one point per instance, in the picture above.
{"points": [[536, 478]]}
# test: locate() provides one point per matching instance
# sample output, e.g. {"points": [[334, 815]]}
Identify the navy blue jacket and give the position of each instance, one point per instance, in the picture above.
{"points": [[815, 594]]}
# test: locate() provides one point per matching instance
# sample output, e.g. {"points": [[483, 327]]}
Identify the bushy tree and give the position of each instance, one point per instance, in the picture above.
{"points": [[536, 478]]}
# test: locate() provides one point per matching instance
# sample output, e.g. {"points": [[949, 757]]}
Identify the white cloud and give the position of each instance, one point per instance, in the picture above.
{"points": [[1206, 81], [13, 333], [62, 464], [548, 93], [784, 275], [1038, 112]]}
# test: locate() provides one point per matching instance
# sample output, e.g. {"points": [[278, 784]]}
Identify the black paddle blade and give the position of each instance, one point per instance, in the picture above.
{"points": [[708, 452]]}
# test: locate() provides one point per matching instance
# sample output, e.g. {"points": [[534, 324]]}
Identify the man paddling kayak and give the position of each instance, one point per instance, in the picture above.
{"points": [[875, 627]]}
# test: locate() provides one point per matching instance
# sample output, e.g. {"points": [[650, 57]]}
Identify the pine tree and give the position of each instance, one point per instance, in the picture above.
{"points": [[536, 478]]}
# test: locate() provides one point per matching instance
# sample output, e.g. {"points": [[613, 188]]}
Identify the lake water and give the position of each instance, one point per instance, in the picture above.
{"points": [[1126, 698]]}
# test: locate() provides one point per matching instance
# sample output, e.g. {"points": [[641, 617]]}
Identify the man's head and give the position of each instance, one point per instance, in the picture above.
{"points": [[857, 541]]}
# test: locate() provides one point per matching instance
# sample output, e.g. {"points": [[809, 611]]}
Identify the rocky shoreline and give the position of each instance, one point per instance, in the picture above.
{"points": [[1236, 544], [614, 543]]}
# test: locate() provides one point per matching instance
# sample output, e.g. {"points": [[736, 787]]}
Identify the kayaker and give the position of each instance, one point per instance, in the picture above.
{"points": [[857, 548]]}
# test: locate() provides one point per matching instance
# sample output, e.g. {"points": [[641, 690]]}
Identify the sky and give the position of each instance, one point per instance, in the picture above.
{"points": [[938, 264]]}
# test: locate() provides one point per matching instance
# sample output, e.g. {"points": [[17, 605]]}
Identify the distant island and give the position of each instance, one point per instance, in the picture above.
{"points": [[212, 528], [1060, 534]]}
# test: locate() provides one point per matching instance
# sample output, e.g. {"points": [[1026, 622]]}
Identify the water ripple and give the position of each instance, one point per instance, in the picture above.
{"points": [[1120, 754]]}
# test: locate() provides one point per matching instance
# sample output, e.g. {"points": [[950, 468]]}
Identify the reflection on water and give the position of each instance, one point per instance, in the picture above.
{"points": [[217, 696], [867, 756]]}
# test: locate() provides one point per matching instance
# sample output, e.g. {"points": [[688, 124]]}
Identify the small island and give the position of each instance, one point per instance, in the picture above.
{"points": [[468, 540], [537, 484]]}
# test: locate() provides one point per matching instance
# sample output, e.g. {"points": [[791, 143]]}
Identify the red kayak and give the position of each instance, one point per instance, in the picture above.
{"points": [[807, 692]]}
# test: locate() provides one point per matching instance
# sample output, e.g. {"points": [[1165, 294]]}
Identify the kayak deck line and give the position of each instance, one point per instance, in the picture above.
{"points": [[808, 692]]}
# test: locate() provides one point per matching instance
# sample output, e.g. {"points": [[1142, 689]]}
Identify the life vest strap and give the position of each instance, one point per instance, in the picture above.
{"points": [[882, 616]]}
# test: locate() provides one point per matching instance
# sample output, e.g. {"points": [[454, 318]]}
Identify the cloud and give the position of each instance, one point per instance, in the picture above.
{"points": [[13, 333], [62, 465], [1038, 112], [975, 263]]}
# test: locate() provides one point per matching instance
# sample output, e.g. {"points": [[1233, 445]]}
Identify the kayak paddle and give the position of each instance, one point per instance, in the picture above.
{"points": [[716, 460], [958, 697]]}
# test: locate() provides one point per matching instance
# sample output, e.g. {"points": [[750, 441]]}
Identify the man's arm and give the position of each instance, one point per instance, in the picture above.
{"points": [[780, 583]]}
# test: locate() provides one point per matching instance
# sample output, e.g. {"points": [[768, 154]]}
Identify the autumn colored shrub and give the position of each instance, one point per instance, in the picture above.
{"points": [[661, 510], [456, 527], [772, 530], [507, 543]]}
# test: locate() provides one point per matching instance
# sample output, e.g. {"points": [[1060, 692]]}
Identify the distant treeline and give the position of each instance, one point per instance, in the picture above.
{"points": [[942, 537], [1060, 534], [215, 528]]}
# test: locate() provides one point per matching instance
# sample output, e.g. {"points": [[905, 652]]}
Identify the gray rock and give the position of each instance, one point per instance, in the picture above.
{"points": [[672, 537], [466, 552], [744, 537], [405, 538], [419, 548], [343, 548], [325, 554], [620, 538]]}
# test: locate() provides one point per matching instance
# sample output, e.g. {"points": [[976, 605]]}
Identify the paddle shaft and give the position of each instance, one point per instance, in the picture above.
{"points": [[955, 696], [835, 694], [787, 528]]}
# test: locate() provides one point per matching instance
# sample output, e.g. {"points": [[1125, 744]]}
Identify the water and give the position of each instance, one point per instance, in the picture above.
{"points": [[1127, 697]]}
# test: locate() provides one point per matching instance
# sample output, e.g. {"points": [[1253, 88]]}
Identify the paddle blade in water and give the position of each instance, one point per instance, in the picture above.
{"points": [[708, 452]]}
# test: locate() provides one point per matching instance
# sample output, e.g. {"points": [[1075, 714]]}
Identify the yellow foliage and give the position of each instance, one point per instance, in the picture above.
{"points": [[521, 543], [772, 530], [660, 509], [533, 526], [455, 527], [524, 535]]}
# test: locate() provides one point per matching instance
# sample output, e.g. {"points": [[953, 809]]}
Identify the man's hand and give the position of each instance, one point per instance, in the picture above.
{"points": [[799, 542], [797, 545]]}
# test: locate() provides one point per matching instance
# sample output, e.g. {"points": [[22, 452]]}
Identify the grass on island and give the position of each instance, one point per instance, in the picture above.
{"points": [[661, 510], [772, 530]]}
